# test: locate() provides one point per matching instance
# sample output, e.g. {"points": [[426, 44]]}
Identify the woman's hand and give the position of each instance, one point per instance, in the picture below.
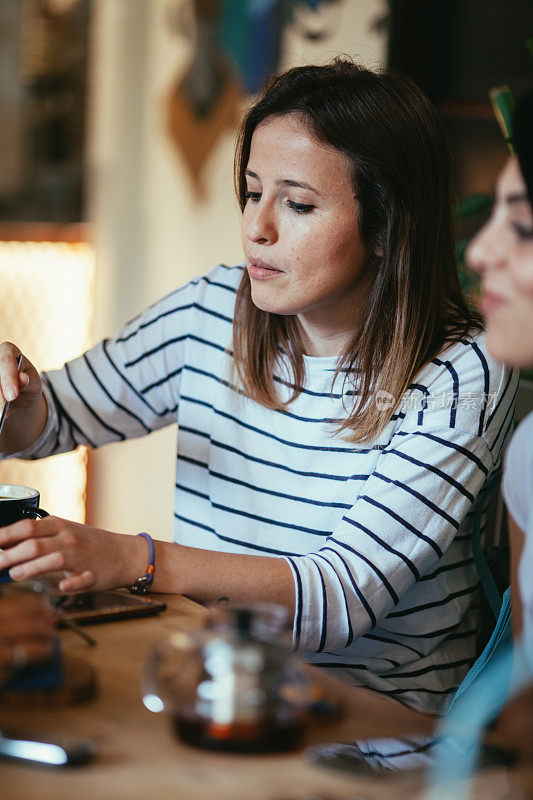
{"points": [[22, 388], [90, 558], [26, 631]]}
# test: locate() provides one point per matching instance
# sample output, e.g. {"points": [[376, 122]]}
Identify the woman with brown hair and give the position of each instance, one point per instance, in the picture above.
{"points": [[337, 411]]}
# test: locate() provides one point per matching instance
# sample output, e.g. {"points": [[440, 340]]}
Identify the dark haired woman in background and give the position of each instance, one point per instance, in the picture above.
{"points": [[502, 254], [338, 413]]}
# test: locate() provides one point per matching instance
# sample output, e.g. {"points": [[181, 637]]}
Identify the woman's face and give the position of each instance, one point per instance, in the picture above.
{"points": [[502, 254], [300, 233]]}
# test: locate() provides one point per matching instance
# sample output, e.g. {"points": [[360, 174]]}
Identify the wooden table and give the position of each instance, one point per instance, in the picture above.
{"points": [[140, 757]]}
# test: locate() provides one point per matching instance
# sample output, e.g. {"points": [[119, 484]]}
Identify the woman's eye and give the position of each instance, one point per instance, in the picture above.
{"points": [[523, 231], [253, 196], [300, 208]]}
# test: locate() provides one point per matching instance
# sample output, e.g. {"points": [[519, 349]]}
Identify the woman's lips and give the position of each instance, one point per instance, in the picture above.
{"points": [[261, 271], [491, 302]]}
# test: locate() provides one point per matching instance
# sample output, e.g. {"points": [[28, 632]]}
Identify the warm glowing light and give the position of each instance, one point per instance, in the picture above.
{"points": [[46, 307]]}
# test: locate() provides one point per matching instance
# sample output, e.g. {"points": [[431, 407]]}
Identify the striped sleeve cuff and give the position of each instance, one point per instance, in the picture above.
{"points": [[297, 625]]}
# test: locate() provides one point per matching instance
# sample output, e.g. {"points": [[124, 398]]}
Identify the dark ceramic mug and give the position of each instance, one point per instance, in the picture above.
{"points": [[16, 503]]}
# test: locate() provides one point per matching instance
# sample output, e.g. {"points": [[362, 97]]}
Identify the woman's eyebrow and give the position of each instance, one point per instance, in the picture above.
{"points": [[284, 182]]}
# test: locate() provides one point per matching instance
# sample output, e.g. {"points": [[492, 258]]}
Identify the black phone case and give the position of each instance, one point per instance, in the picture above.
{"points": [[93, 607]]}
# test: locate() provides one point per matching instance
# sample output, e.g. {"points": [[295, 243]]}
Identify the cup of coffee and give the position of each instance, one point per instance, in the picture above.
{"points": [[16, 503]]}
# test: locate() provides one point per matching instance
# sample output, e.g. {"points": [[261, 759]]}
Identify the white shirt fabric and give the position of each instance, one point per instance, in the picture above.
{"points": [[518, 495], [377, 535]]}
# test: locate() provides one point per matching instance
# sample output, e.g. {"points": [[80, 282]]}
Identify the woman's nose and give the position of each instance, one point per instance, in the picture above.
{"points": [[487, 249], [260, 224]]}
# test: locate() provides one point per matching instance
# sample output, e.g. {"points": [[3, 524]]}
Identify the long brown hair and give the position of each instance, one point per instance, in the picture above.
{"points": [[401, 171]]}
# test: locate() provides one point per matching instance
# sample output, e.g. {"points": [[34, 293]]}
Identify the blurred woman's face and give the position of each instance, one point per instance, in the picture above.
{"points": [[502, 255]]}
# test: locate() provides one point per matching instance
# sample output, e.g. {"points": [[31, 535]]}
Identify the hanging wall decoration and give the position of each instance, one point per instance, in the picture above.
{"points": [[235, 46]]}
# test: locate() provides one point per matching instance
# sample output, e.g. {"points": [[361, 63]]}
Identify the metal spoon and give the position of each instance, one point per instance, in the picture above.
{"points": [[6, 406]]}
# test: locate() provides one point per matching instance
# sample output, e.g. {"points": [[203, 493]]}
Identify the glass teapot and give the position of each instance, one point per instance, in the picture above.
{"points": [[233, 684]]}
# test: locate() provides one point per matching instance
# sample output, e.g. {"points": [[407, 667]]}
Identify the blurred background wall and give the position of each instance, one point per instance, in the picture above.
{"points": [[150, 226], [150, 232]]}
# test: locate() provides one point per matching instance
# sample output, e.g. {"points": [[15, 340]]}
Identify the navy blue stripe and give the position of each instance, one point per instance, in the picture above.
{"points": [[113, 400], [268, 521], [429, 635], [339, 665], [378, 572], [154, 350], [507, 424], [232, 289], [188, 490], [408, 563], [501, 398], [299, 607], [403, 522], [126, 337], [324, 611], [185, 337], [247, 545], [272, 464], [375, 637], [455, 379], [486, 382], [185, 307], [128, 383], [435, 603], [462, 635], [425, 392], [303, 390], [435, 470], [420, 497], [446, 568], [271, 492], [215, 345], [72, 425], [160, 382], [321, 420], [349, 640], [193, 461], [447, 443], [121, 436], [431, 668], [418, 690], [360, 595], [267, 434]]}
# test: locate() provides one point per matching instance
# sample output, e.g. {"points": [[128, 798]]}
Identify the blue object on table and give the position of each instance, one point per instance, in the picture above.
{"points": [[46, 675], [4, 576]]}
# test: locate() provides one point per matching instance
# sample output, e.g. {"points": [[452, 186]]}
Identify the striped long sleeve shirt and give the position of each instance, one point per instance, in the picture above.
{"points": [[377, 535]]}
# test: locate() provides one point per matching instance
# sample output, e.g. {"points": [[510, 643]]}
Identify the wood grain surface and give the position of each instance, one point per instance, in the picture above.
{"points": [[139, 755]]}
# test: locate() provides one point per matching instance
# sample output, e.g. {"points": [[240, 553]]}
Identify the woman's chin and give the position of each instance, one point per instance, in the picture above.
{"points": [[509, 348]]}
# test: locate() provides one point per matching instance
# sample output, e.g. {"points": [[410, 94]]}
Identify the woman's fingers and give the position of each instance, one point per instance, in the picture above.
{"points": [[9, 381], [33, 567], [78, 582], [20, 385], [26, 529], [35, 547], [88, 557]]}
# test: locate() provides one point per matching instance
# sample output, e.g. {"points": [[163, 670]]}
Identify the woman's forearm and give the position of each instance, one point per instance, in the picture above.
{"points": [[206, 576]]}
